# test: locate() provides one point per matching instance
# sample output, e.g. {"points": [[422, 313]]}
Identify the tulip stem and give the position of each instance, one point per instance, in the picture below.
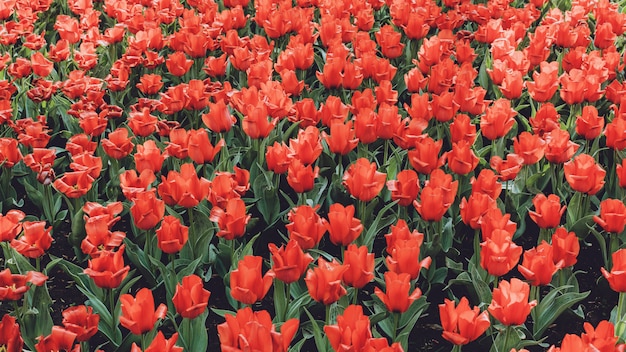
{"points": [[327, 319], [613, 247], [507, 332], [620, 307], [396, 321], [456, 348], [477, 248], [112, 302]]}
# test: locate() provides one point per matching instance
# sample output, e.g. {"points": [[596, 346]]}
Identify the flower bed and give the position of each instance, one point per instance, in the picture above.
{"points": [[312, 175]]}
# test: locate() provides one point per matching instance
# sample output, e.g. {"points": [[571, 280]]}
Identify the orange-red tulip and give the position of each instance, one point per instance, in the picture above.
{"points": [[360, 265], [548, 211], [462, 324], [247, 284], [232, 219], [405, 188], [160, 344], [617, 276], [108, 270], [290, 262], [58, 340], [13, 286], [404, 257], [342, 226], [612, 215], [82, 321], [172, 235], [191, 299], [306, 226], [363, 181], [10, 336], [147, 210], [324, 281], [499, 254], [254, 331], [584, 175], [509, 304], [398, 297], [35, 240], [352, 331], [538, 265], [138, 313]]}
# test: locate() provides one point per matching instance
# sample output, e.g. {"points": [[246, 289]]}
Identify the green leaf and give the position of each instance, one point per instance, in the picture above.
{"points": [[553, 305], [320, 341], [377, 226]]}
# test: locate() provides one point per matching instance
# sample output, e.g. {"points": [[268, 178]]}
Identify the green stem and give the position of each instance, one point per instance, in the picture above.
{"points": [[456, 348], [621, 306], [327, 317], [396, 321], [507, 332], [111, 302], [477, 247]]}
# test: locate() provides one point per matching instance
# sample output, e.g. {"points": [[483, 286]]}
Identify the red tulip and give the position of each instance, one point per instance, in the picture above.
{"points": [[509, 304], [58, 340], [398, 298], [404, 257], [584, 175], [462, 324], [363, 181], [498, 119], [290, 262], [254, 331], [160, 344], [538, 265], [360, 265], [191, 299], [499, 254], [147, 210], [82, 321], [306, 226], [352, 331], [300, 177], [565, 247], [405, 188], [342, 226], [10, 224], [612, 215], [10, 336], [548, 211], [247, 284], [108, 270], [232, 220], [172, 235], [589, 124], [617, 276], [138, 313], [35, 241], [324, 281]]}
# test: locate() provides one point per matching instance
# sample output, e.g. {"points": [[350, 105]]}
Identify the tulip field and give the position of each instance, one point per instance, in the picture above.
{"points": [[312, 175]]}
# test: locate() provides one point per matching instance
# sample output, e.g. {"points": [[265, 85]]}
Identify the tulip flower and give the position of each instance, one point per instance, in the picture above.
{"points": [[499, 254], [160, 344], [10, 336], [493, 220], [473, 209], [404, 188], [530, 147], [324, 281], [509, 168], [185, 188], [548, 211], [306, 226], [584, 175], [247, 284], [10, 224], [487, 183], [231, 220], [191, 299], [147, 210], [612, 216], [398, 297], [589, 124], [404, 257], [300, 177], [538, 265], [363, 181], [58, 340], [360, 265], [342, 226], [254, 331], [462, 324], [565, 247], [82, 321], [498, 119], [617, 276], [352, 331], [278, 158], [289, 262], [35, 241], [138, 313], [172, 235], [108, 270], [509, 304]]}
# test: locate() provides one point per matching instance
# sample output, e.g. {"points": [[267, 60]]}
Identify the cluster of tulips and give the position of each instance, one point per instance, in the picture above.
{"points": [[183, 148]]}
